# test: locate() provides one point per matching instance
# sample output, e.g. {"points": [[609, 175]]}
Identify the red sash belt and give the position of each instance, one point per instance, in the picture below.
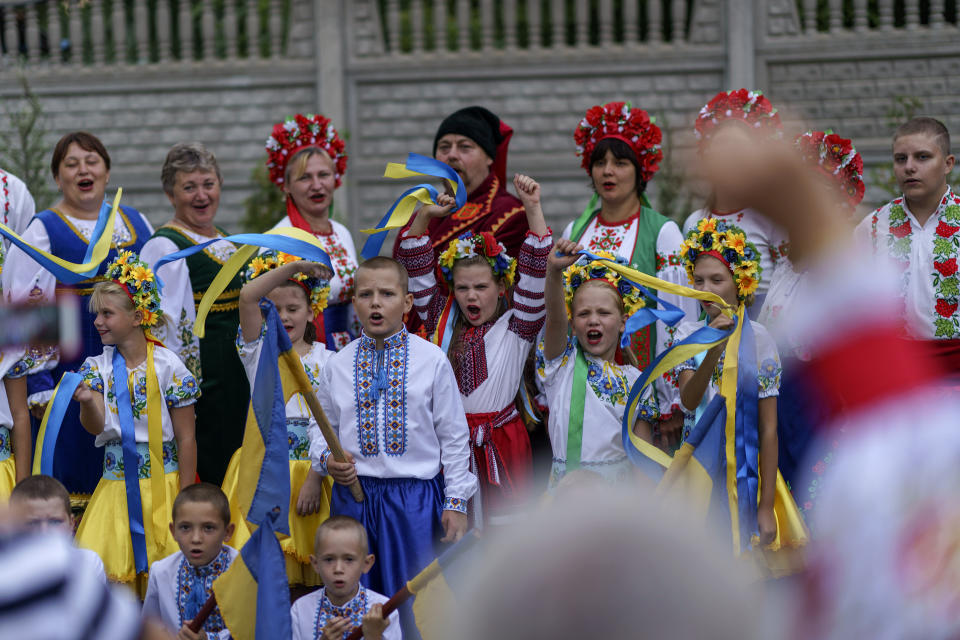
{"points": [[481, 429]]}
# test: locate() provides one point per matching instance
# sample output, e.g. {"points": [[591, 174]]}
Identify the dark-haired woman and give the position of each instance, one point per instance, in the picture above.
{"points": [[620, 151], [81, 169]]}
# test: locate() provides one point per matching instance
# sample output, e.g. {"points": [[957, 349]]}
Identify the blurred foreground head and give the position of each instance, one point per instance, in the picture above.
{"points": [[606, 563]]}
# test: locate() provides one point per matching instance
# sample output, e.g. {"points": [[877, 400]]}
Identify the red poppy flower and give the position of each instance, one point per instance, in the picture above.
{"points": [[946, 268], [902, 231], [491, 244], [594, 115], [946, 309]]}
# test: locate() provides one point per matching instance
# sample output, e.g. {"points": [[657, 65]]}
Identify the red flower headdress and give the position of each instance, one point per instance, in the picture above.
{"points": [[751, 107], [834, 156], [618, 120], [299, 132]]}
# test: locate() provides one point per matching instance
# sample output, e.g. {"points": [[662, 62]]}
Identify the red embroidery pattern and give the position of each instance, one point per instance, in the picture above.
{"points": [[470, 359]]}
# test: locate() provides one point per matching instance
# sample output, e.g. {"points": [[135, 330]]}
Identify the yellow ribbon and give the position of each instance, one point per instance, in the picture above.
{"points": [[101, 246], [158, 487], [236, 262], [404, 209]]}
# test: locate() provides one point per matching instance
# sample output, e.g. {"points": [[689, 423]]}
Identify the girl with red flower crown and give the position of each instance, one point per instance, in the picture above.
{"points": [[620, 150], [487, 344], [728, 116], [306, 159], [834, 160]]}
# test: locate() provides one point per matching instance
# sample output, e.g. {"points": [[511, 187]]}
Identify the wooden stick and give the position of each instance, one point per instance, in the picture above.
{"points": [[197, 623], [388, 607], [293, 361]]}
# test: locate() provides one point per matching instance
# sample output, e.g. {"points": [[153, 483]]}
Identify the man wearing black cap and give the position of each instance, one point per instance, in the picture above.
{"points": [[473, 141]]}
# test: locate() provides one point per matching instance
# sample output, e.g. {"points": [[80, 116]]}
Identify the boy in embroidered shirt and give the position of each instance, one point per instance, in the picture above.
{"points": [[393, 399], [44, 504], [341, 556], [918, 233], [181, 583]]}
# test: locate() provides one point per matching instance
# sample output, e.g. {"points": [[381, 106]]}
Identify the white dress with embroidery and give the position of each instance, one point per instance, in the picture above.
{"points": [[491, 368], [177, 301], [785, 287], [926, 259], [164, 596], [409, 429], [619, 239], [769, 369], [310, 613], [16, 204], [178, 388], [313, 364], [770, 240], [605, 402]]}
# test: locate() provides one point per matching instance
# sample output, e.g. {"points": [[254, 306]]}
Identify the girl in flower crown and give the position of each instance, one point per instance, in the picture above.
{"points": [[719, 259], [585, 388], [486, 343], [137, 399], [299, 290], [728, 117]]}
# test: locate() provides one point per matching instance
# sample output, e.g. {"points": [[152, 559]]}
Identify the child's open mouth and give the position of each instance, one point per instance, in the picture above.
{"points": [[473, 312], [376, 318], [594, 337]]}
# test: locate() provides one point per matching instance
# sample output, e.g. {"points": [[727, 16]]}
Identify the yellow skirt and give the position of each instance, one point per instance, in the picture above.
{"points": [[105, 528], [8, 478], [298, 547], [786, 554]]}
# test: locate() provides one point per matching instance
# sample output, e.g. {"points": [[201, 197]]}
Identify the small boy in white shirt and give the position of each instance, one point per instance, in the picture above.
{"points": [[44, 504], [341, 556], [181, 583]]}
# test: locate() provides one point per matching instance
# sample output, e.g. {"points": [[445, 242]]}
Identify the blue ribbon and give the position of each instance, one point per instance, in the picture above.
{"points": [[427, 166], [703, 335], [293, 246], [60, 273], [272, 494], [669, 315], [131, 477], [62, 396], [747, 442]]}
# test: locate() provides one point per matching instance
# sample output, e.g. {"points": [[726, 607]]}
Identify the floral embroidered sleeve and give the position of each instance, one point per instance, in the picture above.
{"points": [[528, 300], [90, 374], [182, 390], [768, 364], [453, 434], [176, 332], [416, 255], [546, 369]]}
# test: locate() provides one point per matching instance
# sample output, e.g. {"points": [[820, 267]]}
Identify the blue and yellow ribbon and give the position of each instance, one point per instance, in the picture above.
{"points": [[296, 242], [52, 419], [401, 210], [97, 248]]}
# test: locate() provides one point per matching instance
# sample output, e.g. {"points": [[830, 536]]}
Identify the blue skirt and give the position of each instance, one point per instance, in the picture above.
{"points": [[402, 519]]}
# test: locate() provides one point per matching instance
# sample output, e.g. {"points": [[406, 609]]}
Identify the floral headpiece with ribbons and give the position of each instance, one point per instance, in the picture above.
{"points": [[750, 107], [317, 289], [728, 244], [299, 132], [137, 279], [470, 245], [584, 270], [619, 120], [835, 157]]}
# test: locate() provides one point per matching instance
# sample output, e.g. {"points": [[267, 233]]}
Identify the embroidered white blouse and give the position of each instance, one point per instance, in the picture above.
{"points": [[177, 300], [785, 287], [619, 239], [409, 425], [16, 204], [309, 614], [605, 402], [163, 593], [926, 259], [491, 362], [770, 239], [313, 364], [177, 386], [10, 362]]}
